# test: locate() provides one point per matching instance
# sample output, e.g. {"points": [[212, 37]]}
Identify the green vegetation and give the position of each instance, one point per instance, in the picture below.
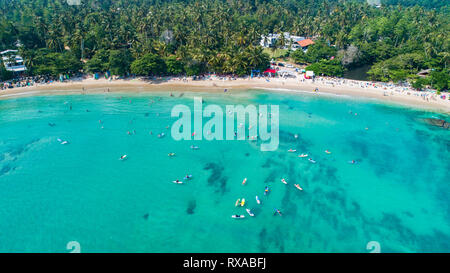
{"points": [[424, 3], [327, 67], [275, 53], [173, 37], [4, 74], [149, 64]]}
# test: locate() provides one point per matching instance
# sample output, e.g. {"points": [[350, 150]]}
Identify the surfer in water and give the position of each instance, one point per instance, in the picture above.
{"points": [[277, 211]]}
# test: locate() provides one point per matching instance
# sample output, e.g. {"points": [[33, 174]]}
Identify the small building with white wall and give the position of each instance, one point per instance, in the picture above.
{"points": [[291, 40], [12, 61]]}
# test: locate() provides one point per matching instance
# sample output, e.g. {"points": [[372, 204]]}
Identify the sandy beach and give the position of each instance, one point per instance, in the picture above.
{"points": [[380, 91]]}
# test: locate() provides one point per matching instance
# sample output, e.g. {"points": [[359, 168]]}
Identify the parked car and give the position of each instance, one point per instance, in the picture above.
{"points": [[280, 64]]}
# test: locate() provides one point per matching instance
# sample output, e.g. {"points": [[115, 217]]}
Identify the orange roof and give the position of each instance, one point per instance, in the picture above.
{"points": [[306, 42]]}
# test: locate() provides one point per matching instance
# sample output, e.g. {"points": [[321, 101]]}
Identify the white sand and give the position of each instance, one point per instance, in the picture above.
{"points": [[384, 92]]}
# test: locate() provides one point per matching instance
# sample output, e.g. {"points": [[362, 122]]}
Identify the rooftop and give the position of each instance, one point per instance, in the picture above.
{"points": [[306, 42]]}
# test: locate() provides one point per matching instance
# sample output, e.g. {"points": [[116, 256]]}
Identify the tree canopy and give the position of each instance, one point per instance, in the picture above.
{"points": [[222, 36]]}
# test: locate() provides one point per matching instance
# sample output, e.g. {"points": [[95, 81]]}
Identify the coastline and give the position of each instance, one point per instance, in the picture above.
{"points": [[391, 94]]}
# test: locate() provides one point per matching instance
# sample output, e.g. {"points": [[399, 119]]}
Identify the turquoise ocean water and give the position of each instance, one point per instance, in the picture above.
{"points": [[397, 195]]}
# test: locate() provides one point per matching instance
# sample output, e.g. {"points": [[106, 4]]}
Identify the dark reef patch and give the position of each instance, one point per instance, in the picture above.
{"points": [[271, 177], [6, 169], [192, 204], [216, 178], [269, 163], [262, 239]]}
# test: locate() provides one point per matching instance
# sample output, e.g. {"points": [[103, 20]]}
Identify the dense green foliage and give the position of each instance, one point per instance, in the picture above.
{"points": [[327, 67], [149, 64], [4, 74], [197, 36], [424, 3]]}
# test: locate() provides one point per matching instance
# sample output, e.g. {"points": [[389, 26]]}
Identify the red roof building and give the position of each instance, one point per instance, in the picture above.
{"points": [[305, 43]]}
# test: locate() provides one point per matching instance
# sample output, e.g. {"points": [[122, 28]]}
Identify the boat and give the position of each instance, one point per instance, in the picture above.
{"points": [[266, 190], [353, 162], [237, 202], [284, 181], [257, 200], [249, 212], [328, 152], [177, 182], [243, 202], [303, 155], [298, 186], [123, 157], [311, 160], [245, 180], [292, 151], [189, 176], [237, 216], [171, 154]]}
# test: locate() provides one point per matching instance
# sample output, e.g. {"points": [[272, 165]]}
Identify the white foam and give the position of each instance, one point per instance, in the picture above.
{"points": [[308, 92], [19, 94]]}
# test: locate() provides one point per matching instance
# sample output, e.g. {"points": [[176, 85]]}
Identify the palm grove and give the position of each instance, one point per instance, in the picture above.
{"points": [[190, 37]]}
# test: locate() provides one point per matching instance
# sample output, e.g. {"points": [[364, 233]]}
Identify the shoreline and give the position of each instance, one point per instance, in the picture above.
{"points": [[352, 88]]}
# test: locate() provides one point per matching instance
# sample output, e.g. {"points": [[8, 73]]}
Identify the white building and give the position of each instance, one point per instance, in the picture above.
{"points": [[12, 61], [271, 39]]}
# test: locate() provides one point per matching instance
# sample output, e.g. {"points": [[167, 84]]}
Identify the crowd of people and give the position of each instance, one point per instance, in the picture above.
{"points": [[388, 88]]}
